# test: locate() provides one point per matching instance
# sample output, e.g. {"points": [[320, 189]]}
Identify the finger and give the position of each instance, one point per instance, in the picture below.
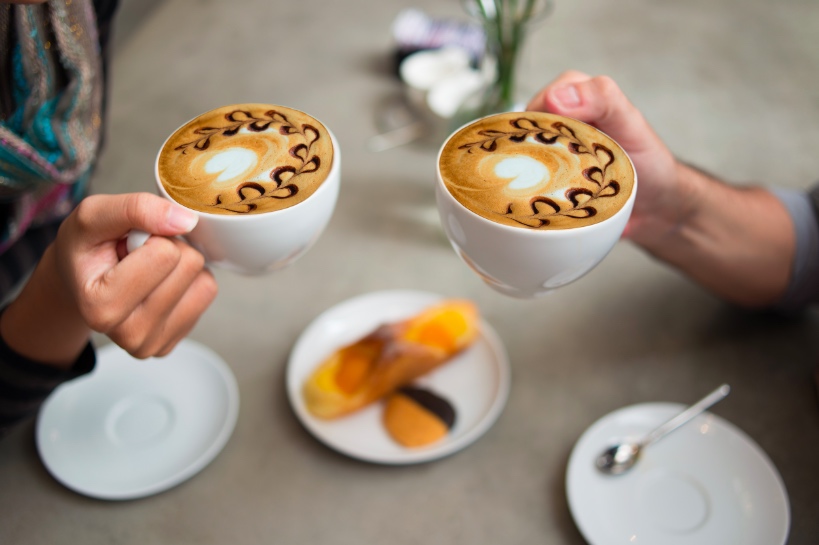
{"points": [[122, 249], [570, 76], [113, 295], [600, 102], [145, 329], [161, 301], [158, 334], [101, 218], [201, 299]]}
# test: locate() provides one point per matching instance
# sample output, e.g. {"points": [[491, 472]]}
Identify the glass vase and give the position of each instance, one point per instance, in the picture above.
{"points": [[505, 24]]}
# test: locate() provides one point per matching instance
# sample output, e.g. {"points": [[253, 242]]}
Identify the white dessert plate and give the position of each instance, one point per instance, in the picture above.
{"points": [[476, 382], [132, 427], [707, 483]]}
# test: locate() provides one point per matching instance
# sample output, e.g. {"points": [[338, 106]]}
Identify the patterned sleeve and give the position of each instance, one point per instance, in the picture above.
{"points": [[25, 384], [803, 289]]}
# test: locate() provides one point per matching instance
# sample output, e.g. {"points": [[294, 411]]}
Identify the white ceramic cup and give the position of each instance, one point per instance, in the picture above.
{"points": [[526, 263], [266, 241]]}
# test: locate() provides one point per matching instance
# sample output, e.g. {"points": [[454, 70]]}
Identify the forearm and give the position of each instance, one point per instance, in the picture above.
{"points": [[43, 324], [737, 242]]}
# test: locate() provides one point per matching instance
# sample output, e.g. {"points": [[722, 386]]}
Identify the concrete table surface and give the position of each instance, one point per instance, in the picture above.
{"points": [[731, 85]]}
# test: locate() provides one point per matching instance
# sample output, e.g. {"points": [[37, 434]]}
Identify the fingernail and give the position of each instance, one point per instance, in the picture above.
{"points": [[566, 96], [181, 219]]}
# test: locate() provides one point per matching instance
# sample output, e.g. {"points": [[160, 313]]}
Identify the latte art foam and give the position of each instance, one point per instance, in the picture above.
{"points": [[536, 170], [246, 158]]}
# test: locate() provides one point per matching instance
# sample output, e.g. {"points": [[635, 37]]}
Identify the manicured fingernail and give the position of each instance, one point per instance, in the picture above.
{"points": [[181, 219], [566, 96]]}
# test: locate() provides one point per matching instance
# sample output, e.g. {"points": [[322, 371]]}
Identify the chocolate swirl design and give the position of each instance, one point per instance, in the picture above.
{"points": [[245, 159], [579, 177]]}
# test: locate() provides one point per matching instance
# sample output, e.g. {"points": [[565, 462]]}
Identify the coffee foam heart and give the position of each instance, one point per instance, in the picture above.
{"points": [[246, 158], [536, 170]]}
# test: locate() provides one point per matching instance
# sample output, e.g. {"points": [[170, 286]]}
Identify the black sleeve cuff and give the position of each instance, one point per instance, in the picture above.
{"points": [[25, 383], [42, 372]]}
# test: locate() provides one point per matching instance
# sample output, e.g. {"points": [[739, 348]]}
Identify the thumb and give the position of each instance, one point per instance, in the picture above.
{"points": [[599, 102], [101, 218]]}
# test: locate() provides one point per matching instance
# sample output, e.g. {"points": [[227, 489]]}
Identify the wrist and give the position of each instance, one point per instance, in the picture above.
{"points": [[45, 309], [692, 201], [663, 223], [737, 241]]}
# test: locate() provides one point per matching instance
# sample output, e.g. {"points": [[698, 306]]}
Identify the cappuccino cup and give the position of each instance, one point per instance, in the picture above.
{"points": [[532, 201], [263, 179]]}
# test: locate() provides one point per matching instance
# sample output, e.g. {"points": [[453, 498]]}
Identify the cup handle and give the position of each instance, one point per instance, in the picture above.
{"points": [[136, 239]]}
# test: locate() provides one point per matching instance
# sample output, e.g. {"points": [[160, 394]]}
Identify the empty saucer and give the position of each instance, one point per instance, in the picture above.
{"points": [[132, 427], [707, 483]]}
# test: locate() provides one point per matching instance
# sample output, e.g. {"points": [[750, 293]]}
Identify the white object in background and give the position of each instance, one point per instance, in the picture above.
{"points": [[441, 81], [424, 69], [476, 381], [133, 428], [708, 483], [448, 95]]}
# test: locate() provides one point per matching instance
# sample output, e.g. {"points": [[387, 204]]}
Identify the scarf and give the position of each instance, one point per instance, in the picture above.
{"points": [[50, 100]]}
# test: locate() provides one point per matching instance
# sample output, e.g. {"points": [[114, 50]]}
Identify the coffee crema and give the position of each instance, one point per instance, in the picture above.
{"points": [[246, 158], [536, 170]]}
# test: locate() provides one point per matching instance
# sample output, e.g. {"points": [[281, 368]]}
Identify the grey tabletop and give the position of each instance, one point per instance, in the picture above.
{"points": [[731, 85]]}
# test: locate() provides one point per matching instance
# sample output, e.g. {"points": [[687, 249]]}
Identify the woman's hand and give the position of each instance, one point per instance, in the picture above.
{"points": [[145, 301]]}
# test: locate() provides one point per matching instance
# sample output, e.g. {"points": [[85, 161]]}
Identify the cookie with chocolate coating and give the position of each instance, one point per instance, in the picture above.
{"points": [[415, 417]]}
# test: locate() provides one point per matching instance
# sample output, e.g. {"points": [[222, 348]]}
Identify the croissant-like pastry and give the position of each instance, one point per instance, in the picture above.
{"points": [[390, 357]]}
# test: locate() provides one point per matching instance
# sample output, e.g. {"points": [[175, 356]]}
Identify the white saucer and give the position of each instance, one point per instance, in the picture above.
{"points": [[706, 484], [132, 427], [476, 382]]}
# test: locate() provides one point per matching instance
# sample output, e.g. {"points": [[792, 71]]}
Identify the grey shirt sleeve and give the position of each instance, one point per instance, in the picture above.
{"points": [[803, 289]]}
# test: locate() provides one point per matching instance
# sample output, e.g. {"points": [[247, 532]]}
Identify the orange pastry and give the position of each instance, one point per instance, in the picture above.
{"points": [[390, 357], [415, 417]]}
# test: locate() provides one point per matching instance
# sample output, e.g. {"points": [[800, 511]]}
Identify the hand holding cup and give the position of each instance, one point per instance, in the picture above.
{"points": [[263, 180], [533, 201]]}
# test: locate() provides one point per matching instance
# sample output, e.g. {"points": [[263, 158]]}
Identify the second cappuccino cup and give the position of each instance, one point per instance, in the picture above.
{"points": [[263, 179], [533, 201]]}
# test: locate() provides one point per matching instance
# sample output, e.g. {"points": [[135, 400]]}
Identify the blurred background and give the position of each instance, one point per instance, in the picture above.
{"points": [[731, 85], [714, 77]]}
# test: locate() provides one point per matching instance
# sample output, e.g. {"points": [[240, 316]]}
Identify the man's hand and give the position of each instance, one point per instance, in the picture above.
{"points": [[737, 242], [663, 199]]}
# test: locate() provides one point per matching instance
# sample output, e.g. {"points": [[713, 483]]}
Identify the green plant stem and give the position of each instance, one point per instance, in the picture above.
{"points": [[505, 32]]}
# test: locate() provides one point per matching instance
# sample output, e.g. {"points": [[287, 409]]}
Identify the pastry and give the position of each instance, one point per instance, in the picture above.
{"points": [[415, 417], [390, 357]]}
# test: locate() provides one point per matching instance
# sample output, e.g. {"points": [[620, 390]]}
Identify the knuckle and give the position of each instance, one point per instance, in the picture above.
{"points": [[210, 289], [137, 342], [606, 86], [136, 208], [613, 103], [192, 259], [166, 254], [101, 318], [131, 343], [85, 213], [573, 75], [141, 353], [167, 349]]}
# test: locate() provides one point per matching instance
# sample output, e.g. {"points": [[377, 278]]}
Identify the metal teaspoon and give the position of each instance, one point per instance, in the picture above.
{"points": [[621, 457]]}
